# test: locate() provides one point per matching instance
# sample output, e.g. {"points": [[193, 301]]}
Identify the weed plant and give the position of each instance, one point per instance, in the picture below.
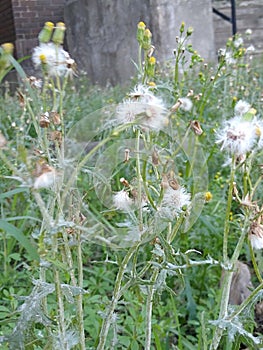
{"points": [[132, 220]]}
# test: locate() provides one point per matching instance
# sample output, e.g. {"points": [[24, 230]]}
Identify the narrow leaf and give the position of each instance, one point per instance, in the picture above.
{"points": [[19, 236]]}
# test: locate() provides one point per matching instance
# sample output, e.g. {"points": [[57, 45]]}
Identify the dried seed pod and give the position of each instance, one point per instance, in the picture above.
{"points": [[21, 99], [176, 106], [155, 157], [55, 118], [45, 176], [173, 183], [196, 127], [124, 182], [164, 183], [44, 120], [126, 155]]}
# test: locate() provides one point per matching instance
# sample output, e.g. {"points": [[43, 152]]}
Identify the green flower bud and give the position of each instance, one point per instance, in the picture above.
{"points": [[249, 116], [189, 31], [140, 32], [45, 35], [7, 50], [150, 67], [182, 27], [59, 34], [147, 39]]}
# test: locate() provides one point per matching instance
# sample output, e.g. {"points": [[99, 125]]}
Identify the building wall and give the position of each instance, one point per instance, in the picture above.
{"points": [[7, 30], [21, 21], [29, 18], [249, 16]]}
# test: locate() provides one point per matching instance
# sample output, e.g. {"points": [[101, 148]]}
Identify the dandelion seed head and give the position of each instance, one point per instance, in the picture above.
{"points": [[174, 202], [143, 108], [241, 108], [54, 56], [186, 104], [238, 136], [122, 201]]}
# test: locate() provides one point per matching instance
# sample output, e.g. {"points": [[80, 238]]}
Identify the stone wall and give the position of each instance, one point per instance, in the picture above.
{"points": [[249, 16], [102, 33]]}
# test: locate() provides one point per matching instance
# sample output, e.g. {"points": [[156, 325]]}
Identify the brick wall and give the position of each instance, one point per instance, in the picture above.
{"points": [[249, 16], [7, 30], [29, 18]]}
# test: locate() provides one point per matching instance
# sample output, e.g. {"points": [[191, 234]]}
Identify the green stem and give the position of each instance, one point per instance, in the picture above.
{"points": [[173, 232], [61, 312], [140, 60], [42, 207], [245, 303], [207, 90], [115, 298], [84, 161], [227, 284], [254, 263], [228, 210], [80, 297], [145, 187], [139, 177], [149, 304]]}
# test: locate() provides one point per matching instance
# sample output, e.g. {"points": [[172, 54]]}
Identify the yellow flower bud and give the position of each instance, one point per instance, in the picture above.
{"points": [[45, 34], [152, 84], [8, 48], [152, 60], [258, 131], [182, 27], [150, 66], [140, 32], [6, 52], [43, 58], [59, 34], [208, 196], [141, 25]]}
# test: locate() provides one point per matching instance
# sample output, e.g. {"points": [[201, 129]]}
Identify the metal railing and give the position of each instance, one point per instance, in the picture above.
{"points": [[231, 19]]}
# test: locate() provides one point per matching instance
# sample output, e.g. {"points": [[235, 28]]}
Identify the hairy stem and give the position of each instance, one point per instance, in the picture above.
{"points": [[149, 304], [115, 298]]}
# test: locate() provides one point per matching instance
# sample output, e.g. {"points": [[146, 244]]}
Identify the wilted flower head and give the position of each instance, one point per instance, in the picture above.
{"points": [[241, 108], [53, 58], [122, 201], [256, 235], [174, 202], [196, 127], [238, 136], [45, 176]]}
